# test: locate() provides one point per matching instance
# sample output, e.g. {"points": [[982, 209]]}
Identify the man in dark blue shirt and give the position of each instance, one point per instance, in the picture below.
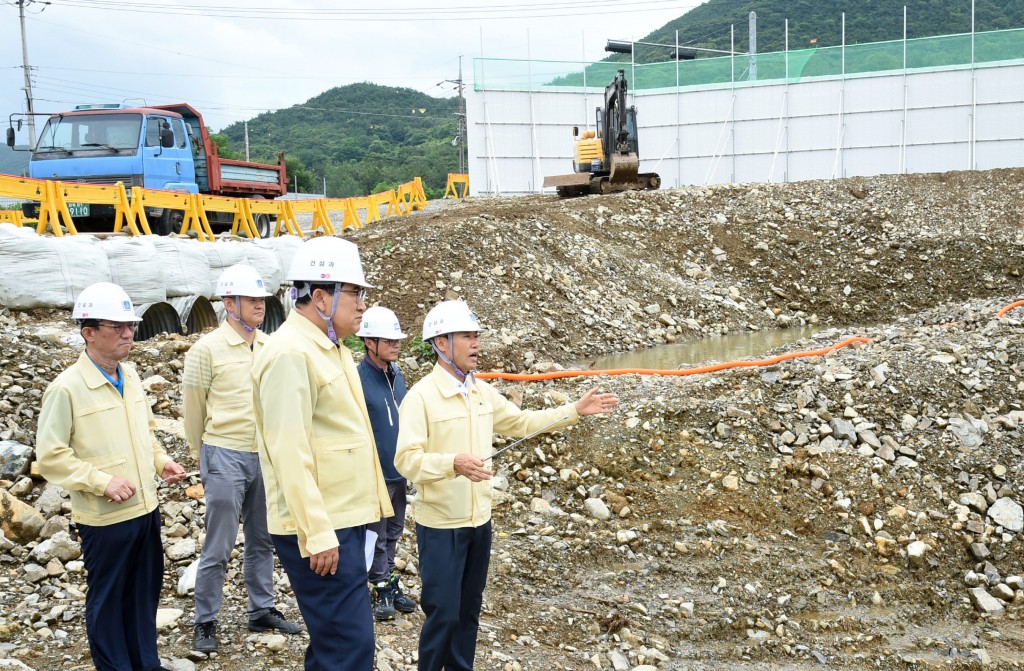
{"points": [[383, 389]]}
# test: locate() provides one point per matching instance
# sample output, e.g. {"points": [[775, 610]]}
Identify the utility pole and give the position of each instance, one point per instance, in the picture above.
{"points": [[28, 73], [246, 123], [460, 135]]}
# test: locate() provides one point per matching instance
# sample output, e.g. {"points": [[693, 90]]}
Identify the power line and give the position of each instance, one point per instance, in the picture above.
{"points": [[557, 8]]}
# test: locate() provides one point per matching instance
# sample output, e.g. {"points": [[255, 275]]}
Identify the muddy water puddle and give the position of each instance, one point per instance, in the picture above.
{"points": [[729, 347]]}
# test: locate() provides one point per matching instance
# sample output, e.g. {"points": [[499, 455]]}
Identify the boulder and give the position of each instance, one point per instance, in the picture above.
{"points": [[20, 522]]}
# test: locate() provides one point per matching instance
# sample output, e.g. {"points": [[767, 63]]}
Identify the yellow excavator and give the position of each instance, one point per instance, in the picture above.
{"points": [[608, 159]]}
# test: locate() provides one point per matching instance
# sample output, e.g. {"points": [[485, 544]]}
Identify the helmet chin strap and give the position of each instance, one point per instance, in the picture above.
{"points": [[330, 318], [451, 362], [238, 317]]}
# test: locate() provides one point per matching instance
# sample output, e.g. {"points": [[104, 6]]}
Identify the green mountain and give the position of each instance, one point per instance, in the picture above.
{"points": [[361, 137], [13, 162]]}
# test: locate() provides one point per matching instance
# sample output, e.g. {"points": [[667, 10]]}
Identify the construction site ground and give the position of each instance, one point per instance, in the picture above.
{"points": [[841, 511]]}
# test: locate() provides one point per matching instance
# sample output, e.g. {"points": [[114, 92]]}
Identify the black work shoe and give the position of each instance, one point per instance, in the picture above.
{"points": [[204, 638], [402, 603], [274, 619], [383, 602]]}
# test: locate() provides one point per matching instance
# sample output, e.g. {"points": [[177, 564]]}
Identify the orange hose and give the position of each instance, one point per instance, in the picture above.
{"points": [[672, 372], [1002, 313]]}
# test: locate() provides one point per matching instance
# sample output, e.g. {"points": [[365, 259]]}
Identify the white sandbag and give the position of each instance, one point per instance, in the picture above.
{"points": [[37, 271], [286, 246], [135, 267], [220, 255], [262, 255], [186, 270]]}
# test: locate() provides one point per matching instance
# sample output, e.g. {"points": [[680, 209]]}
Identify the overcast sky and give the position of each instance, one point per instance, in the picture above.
{"points": [[233, 59]]}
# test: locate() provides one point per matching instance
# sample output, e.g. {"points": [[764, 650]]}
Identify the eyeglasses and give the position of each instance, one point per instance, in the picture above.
{"points": [[121, 327], [360, 294]]}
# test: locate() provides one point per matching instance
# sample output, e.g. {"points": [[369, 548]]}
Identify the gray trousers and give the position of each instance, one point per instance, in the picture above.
{"points": [[234, 490], [389, 530]]}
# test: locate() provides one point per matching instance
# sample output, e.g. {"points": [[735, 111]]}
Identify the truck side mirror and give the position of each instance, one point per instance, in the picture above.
{"points": [[10, 137]]}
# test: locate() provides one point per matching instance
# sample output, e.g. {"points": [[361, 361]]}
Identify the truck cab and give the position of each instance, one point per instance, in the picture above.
{"points": [[104, 144]]}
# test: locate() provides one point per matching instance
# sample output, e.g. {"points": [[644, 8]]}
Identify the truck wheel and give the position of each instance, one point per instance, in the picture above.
{"points": [[169, 222], [263, 225]]}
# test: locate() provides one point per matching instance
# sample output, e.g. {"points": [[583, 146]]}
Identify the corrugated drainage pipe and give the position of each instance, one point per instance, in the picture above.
{"points": [[196, 313], [275, 315], [156, 318]]}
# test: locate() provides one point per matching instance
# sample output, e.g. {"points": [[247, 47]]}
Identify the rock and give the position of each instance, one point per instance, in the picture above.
{"points": [[182, 549], [274, 642], [731, 483], [155, 384], [597, 509], [54, 525], [1008, 514], [916, 552], [14, 459], [61, 546], [1003, 591], [539, 505], [51, 500], [979, 551], [843, 430], [618, 660], [35, 572], [167, 618], [985, 603], [13, 665], [20, 522]]}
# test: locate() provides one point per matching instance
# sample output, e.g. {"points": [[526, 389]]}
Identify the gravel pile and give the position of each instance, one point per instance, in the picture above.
{"points": [[859, 510]]}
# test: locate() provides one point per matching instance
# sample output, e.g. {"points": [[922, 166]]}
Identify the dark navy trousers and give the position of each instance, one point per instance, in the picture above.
{"points": [[453, 567], [336, 607], [125, 564]]}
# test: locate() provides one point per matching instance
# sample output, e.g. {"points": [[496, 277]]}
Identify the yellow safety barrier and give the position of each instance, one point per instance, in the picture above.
{"points": [[349, 217], [389, 198], [366, 203], [13, 217], [38, 190], [168, 200], [230, 206], [454, 179], [54, 214], [315, 207], [411, 196], [97, 194], [253, 206]]}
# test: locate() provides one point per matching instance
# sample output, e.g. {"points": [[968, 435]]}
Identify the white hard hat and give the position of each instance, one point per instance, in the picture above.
{"points": [[104, 300], [241, 280], [380, 322], [327, 260], [449, 317]]}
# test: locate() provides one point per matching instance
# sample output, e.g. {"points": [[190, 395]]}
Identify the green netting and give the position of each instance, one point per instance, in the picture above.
{"points": [[855, 59]]}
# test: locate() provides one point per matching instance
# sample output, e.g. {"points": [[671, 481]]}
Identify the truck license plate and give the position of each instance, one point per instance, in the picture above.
{"points": [[78, 209]]}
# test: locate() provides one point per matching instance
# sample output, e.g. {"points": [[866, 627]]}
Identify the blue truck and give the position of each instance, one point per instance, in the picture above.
{"points": [[166, 147]]}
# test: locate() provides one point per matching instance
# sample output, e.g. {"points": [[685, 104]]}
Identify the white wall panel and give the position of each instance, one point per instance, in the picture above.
{"points": [[733, 134]]}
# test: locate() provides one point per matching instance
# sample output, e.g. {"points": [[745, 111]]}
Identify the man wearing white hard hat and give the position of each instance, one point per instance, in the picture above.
{"points": [[221, 432], [95, 439], [384, 389], [444, 443], [323, 478]]}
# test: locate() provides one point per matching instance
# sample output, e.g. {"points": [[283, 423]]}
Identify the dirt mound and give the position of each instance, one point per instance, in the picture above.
{"points": [[859, 510]]}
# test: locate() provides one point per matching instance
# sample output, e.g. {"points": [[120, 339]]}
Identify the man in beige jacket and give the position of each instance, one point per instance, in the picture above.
{"points": [[95, 439], [444, 441], [320, 466], [221, 432]]}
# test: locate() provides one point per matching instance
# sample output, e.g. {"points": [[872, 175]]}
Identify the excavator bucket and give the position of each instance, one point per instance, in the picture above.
{"points": [[624, 168]]}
